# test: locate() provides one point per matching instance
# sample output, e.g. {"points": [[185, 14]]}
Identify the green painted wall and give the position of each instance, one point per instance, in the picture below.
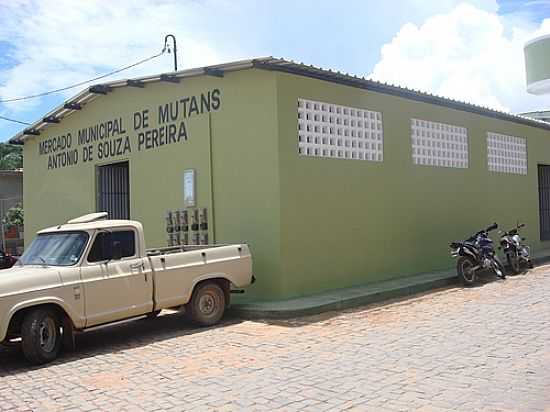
{"points": [[350, 222], [246, 175], [313, 224], [244, 167]]}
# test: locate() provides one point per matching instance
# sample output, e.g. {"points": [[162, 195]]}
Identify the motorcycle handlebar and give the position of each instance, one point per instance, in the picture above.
{"points": [[483, 232], [515, 230], [492, 227]]}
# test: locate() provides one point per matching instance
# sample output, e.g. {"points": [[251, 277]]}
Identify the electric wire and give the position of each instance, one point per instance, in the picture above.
{"points": [[72, 86], [13, 120]]}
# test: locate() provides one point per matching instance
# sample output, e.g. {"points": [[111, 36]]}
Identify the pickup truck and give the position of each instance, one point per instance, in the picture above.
{"points": [[92, 271]]}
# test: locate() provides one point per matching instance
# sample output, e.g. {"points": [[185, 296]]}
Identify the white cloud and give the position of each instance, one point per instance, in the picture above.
{"points": [[465, 54], [54, 43], [468, 52]]}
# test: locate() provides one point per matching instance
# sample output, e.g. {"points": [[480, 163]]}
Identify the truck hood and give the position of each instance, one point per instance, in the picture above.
{"points": [[20, 279]]}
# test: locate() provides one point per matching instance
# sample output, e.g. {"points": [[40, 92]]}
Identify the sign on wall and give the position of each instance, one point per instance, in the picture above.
{"points": [[148, 129], [189, 187]]}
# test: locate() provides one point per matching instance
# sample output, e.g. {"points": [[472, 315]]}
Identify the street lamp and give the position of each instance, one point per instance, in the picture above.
{"points": [[175, 49]]}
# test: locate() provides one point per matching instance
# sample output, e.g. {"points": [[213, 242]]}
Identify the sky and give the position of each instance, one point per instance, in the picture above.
{"points": [[468, 50]]}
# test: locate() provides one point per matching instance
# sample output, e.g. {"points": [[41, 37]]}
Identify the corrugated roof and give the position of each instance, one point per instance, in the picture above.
{"points": [[376, 86], [273, 64], [89, 94]]}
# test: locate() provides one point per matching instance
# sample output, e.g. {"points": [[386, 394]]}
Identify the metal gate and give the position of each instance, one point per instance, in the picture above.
{"points": [[113, 190], [13, 243], [544, 202]]}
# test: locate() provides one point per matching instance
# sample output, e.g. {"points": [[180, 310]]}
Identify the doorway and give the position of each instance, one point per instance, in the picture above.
{"points": [[544, 201], [113, 190]]}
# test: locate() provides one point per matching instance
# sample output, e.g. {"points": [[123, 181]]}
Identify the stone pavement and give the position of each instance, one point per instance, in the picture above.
{"points": [[482, 348]]}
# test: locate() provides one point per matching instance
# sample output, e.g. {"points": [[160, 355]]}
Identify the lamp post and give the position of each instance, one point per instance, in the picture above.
{"points": [[175, 49]]}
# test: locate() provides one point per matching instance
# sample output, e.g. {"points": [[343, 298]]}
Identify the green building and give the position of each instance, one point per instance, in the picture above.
{"points": [[333, 180]]}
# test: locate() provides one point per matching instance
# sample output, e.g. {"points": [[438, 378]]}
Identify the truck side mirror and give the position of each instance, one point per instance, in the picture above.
{"points": [[116, 250]]}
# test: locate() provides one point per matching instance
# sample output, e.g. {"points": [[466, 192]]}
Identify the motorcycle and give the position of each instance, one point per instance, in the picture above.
{"points": [[6, 260], [474, 254], [517, 254]]}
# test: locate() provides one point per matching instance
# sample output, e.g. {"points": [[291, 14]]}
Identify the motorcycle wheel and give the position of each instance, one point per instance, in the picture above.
{"points": [[465, 269], [513, 262], [498, 268]]}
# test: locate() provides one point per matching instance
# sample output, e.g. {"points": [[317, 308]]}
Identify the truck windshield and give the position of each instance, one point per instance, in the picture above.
{"points": [[55, 249]]}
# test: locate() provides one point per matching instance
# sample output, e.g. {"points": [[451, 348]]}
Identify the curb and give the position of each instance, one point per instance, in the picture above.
{"points": [[344, 298], [352, 297], [541, 260]]}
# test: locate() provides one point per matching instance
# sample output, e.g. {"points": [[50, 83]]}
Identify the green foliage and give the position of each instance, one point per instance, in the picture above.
{"points": [[14, 216], [11, 156]]}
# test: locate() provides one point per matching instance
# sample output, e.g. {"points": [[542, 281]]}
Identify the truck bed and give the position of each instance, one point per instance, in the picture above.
{"points": [[178, 269], [181, 248]]}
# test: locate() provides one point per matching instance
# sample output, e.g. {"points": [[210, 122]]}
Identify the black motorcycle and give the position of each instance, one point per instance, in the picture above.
{"points": [[475, 254], [517, 254]]}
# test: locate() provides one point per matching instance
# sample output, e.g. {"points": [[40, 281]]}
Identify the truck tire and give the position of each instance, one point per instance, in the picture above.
{"points": [[41, 336], [207, 304]]}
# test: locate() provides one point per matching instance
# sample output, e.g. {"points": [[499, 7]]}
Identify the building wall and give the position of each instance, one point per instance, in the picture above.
{"points": [[313, 223], [11, 185], [235, 147], [349, 222]]}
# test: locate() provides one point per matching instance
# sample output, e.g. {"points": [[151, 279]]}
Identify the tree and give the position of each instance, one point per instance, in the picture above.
{"points": [[11, 156], [14, 216]]}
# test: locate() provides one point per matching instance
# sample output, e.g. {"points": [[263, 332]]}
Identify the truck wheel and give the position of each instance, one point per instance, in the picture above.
{"points": [[41, 336], [207, 304]]}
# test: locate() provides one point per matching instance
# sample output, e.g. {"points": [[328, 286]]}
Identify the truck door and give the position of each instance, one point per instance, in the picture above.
{"points": [[119, 285]]}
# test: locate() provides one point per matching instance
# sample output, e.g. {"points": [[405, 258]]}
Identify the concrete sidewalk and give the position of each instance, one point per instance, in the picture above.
{"points": [[344, 298], [354, 296]]}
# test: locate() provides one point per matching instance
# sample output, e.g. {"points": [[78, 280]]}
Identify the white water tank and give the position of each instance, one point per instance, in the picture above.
{"points": [[537, 65]]}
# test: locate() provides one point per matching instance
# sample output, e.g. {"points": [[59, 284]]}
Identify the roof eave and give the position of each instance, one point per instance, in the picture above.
{"points": [[375, 86], [281, 65], [85, 96]]}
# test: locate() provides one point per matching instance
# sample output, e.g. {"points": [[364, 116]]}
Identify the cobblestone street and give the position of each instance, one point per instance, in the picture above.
{"points": [[482, 348]]}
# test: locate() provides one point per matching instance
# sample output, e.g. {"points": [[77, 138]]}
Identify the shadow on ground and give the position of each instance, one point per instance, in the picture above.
{"points": [[483, 279], [138, 333], [111, 339]]}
